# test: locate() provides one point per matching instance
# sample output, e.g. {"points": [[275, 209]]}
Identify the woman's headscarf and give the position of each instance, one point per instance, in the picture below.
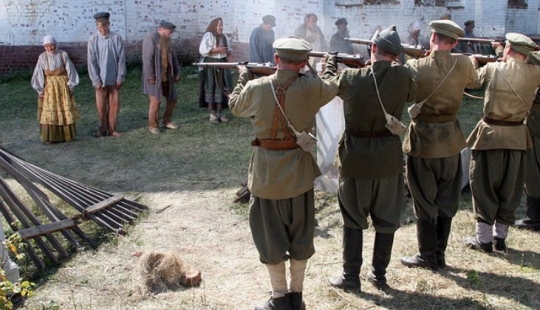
{"points": [[48, 39]]}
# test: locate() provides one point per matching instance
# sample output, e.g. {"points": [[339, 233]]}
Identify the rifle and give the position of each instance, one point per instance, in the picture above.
{"points": [[353, 61], [254, 67], [482, 59], [411, 50], [480, 40]]}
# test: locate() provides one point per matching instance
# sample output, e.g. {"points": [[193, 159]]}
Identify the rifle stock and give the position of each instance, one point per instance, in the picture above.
{"points": [[253, 67], [355, 61], [480, 40]]}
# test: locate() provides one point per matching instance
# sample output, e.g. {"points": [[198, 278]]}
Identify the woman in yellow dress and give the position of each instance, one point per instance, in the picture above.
{"points": [[54, 79]]}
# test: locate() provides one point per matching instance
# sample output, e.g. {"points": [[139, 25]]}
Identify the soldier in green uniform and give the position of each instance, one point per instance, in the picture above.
{"points": [[499, 142], [370, 159], [434, 140], [531, 220], [281, 174]]}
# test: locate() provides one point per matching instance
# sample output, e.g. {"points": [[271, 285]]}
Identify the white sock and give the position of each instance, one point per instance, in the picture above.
{"points": [[298, 270], [484, 232], [278, 279], [500, 230]]}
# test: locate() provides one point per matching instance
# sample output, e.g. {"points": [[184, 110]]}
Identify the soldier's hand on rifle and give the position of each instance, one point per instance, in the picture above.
{"points": [[244, 75], [496, 44]]}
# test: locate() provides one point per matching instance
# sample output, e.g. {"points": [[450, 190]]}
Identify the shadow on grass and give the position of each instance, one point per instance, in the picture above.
{"points": [[518, 289], [396, 299]]}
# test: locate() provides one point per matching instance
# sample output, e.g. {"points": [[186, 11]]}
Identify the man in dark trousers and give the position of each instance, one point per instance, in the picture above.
{"points": [[370, 158], [531, 220], [434, 140], [281, 174], [499, 143]]}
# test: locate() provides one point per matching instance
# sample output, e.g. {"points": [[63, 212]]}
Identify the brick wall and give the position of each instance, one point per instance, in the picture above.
{"points": [[23, 23]]}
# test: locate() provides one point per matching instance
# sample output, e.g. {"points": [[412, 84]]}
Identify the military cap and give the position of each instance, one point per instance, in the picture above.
{"points": [[446, 16], [342, 20], [389, 41], [166, 25], [48, 39], [520, 43], [292, 48], [102, 15], [469, 22], [447, 28], [269, 20]]}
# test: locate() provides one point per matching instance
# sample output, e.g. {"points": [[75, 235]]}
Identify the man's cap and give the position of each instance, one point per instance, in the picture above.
{"points": [[389, 41], [102, 15], [520, 43], [446, 16], [48, 39], [292, 48], [342, 20], [269, 20], [469, 22], [166, 25], [447, 27]]}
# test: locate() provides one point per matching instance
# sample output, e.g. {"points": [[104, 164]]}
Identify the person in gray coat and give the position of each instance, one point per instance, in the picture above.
{"points": [[160, 71]]}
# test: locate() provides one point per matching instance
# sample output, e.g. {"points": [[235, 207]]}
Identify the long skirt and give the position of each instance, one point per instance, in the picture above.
{"points": [[57, 111], [215, 84]]}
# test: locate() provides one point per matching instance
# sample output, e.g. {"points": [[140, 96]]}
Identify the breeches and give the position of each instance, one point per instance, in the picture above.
{"points": [[435, 185], [497, 178], [284, 227], [382, 199], [532, 171]]}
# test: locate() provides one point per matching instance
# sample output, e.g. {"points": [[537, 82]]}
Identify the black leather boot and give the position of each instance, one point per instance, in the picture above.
{"points": [[352, 261], [282, 303], [296, 301], [427, 244], [473, 243], [532, 215], [444, 225], [382, 252], [499, 244]]}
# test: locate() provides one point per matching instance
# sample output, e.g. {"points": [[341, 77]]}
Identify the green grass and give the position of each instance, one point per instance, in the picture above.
{"points": [[200, 158]]}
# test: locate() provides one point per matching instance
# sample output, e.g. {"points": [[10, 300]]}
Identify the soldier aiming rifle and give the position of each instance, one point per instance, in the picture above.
{"points": [[419, 52], [264, 69]]}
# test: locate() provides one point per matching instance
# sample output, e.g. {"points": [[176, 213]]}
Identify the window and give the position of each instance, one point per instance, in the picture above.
{"points": [[517, 4], [446, 3]]}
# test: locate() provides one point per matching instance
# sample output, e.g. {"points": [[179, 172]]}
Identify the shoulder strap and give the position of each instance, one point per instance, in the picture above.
{"points": [[377, 90], [438, 86], [279, 97]]}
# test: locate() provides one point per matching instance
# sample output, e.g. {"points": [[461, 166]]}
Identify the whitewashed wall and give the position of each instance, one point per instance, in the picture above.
{"points": [[25, 22]]}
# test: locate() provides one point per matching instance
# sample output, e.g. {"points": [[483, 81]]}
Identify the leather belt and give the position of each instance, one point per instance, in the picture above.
{"points": [[271, 144], [497, 122]]}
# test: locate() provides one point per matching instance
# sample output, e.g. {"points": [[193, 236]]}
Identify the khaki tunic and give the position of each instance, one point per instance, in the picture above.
{"points": [[280, 174], [438, 139], [501, 103]]}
